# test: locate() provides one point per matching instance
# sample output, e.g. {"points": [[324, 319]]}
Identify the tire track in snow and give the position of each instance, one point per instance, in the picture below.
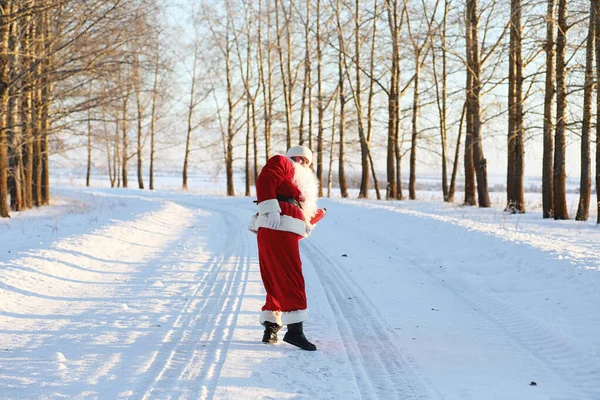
{"points": [[551, 352], [194, 350], [382, 369], [205, 365]]}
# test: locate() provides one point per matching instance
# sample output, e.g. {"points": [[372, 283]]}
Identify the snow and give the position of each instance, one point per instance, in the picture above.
{"points": [[115, 294]]}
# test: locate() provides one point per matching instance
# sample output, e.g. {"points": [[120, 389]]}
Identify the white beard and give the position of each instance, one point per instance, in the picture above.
{"points": [[307, 182]]}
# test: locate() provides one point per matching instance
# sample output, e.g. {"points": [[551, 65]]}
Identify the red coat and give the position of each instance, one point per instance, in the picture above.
{"points": [[276, 178]]}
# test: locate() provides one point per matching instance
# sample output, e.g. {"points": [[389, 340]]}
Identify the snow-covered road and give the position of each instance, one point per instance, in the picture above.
{"points": [[125, 294]]}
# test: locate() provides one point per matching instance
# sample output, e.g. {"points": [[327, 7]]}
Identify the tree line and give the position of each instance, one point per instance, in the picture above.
{"points": [[371, 82]]}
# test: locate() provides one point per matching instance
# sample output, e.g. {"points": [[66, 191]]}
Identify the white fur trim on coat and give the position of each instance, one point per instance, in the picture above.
{"points": [[270, 316], [268, 206], [288, 224], [292, 317]]}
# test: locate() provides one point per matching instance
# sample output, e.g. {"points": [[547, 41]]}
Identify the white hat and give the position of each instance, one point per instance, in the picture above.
{"points": [[300, 151]]}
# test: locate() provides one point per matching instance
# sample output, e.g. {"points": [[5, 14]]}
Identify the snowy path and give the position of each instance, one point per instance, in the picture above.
{"points": [[158, 298], [473, 343]]}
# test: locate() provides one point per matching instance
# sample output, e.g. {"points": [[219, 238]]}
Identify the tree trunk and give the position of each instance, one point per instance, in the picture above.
{"points": [[364, 147], [231, 109], [27, 116], [519, 189], [399, 191], [89, 150], [109, 160], [393, 97], [140, 116], [331, 146], [470, 190], [441, 99], [16, 156], [341, 170], [117, 157], [547, 168], [560, 195], [515, 173], [286, 78], [4, 81], [479, 160], [412, 182], [248, 145], [597, 14], [255, 139], [190, 117], [45, 116], [306, 81], [124, 148], [38, 38], [27, 111], [320, 109], [14, 177], [370, 101], [266, 88], [512, 114], [245, 75], [153, 118], [585, 183], [452, 187]]}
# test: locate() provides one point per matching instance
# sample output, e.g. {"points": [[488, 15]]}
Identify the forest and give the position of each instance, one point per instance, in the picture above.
{"points": [[383, 88]]}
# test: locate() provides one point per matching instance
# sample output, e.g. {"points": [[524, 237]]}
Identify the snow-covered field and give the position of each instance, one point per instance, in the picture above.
{"points": [[114, 293]]}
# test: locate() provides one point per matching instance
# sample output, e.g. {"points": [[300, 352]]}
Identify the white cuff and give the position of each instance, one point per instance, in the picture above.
{"points": [[293, 317], [270, 316], [268, 206]]}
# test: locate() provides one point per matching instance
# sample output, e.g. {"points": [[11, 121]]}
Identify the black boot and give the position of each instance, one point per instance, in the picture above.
{"points": [[295, 336], [271, 330]]}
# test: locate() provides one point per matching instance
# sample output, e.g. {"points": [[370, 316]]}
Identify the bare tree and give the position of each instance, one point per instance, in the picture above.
{"points": [[4, 82], [331, 147], [89, 149], [137, 87], [473, 67], [320, 110], [306, 83], [342, 97], [371, 96], [153, 111], [266, 84], [250, 99], [585, 183], [515, 198], [560, 195], [452, 187], [193, 103], [470, 190], [285, 66], [394, 21], [597, 21], [442, 96], [14, 113], [124, 127], [357, 95], [548, 169], [418, 48]]}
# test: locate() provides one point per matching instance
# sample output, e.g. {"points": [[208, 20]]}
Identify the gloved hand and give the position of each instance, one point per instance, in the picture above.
{"points": [[274, 219], [318, 216]]}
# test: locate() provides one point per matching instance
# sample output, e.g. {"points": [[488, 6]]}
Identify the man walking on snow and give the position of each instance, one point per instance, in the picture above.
{"points": [[287, 191]]}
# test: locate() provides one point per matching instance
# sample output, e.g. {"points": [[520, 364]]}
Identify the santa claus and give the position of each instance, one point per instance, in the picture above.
{"points": [[287, 192]]}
